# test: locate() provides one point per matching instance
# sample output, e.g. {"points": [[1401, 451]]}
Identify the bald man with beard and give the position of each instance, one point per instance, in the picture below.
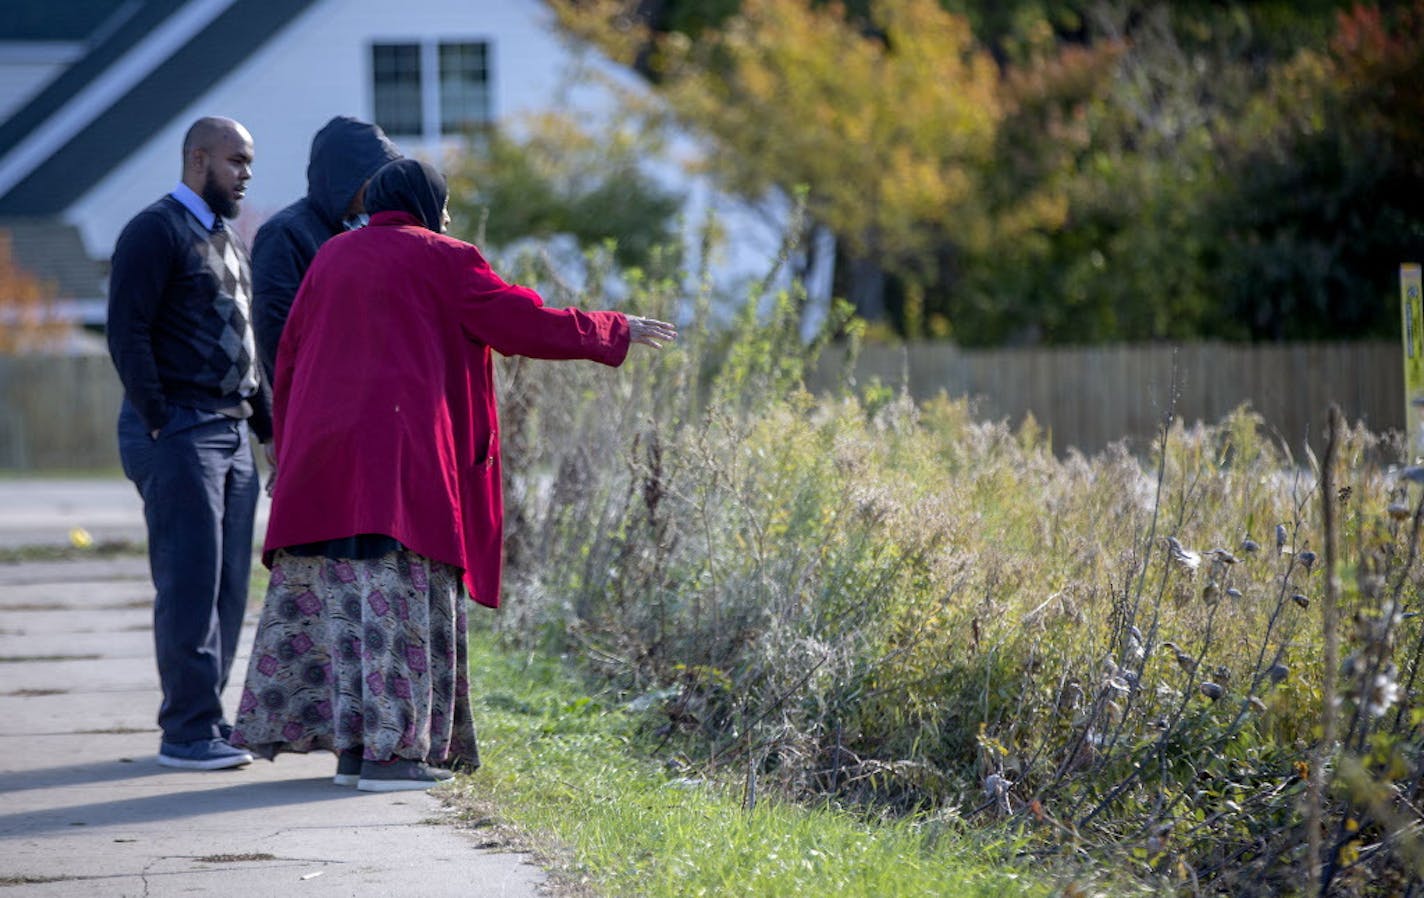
{"points": [[180, 335]]}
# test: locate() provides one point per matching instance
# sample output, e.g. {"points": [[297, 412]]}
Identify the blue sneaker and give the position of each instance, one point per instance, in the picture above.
{"points": [[201, 754]]}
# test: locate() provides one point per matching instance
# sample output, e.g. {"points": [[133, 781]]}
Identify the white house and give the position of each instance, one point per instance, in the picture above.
{"points": [[95, 96], [95, 122]]}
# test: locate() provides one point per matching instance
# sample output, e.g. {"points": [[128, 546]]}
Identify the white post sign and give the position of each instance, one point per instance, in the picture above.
{"points": [[1412, 309]]}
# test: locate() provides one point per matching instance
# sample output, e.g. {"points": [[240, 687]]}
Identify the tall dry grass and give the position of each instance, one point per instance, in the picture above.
{"points": [[901, 608]]}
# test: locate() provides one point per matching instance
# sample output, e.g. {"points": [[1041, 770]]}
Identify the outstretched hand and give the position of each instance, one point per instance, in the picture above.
{"points": [[650, 331]]}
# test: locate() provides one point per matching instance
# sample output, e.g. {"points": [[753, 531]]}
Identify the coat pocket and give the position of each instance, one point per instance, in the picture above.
{"points": [[487, 455]]}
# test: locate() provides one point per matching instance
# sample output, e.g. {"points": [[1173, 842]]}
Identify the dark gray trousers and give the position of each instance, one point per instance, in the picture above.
{"points": [[199, 485]]}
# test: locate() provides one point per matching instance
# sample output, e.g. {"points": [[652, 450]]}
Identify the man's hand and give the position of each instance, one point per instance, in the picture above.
{"points": [[270, 453], [650, 331]]}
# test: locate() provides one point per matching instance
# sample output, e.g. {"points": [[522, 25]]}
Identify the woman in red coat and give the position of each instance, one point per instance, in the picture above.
{"points": [[388, 505]]}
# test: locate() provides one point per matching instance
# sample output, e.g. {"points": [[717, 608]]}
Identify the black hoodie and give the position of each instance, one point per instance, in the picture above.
{"points": [[344, 154]]}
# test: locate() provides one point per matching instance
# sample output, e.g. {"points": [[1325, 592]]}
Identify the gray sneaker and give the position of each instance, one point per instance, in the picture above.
{"points": [[201, 754], [348, 767], [400, 775]]}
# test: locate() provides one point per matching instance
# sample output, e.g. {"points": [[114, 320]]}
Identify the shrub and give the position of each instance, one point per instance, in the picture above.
{"points": [[902, 609]]}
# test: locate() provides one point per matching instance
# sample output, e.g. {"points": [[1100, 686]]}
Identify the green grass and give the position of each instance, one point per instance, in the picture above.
{"points": [[61, 552], [566, 773], [257, 586]]}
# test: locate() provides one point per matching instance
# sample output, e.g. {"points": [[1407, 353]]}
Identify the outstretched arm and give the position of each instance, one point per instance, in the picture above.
{"points": [[513, 320]]}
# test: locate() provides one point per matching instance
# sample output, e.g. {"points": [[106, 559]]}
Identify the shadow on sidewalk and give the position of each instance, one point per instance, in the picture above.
{"points": [[181, 804], [96, 771]]}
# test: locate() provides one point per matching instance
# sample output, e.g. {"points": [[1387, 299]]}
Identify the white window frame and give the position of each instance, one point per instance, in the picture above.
{"points": [[431, 124]]}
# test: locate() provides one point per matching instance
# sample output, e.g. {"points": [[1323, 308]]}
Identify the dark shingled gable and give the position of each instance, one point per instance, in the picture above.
{"points": [[122, 128], [58, 20], [54, 253], [120, 33]]}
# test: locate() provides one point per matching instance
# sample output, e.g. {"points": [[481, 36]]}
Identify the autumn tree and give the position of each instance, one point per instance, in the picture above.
{"points": [[27, 317], [888, 121], [1327, 175], [1064, 172]]}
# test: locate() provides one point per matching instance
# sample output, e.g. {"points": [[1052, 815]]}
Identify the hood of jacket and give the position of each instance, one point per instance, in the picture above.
{"points": [[344, 154]]}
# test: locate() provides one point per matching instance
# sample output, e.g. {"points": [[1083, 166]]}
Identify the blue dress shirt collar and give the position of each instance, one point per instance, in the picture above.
{"points": [[195, 204]]}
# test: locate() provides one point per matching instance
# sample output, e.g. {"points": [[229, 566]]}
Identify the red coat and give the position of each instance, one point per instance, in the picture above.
{"points": [[384, 403]]}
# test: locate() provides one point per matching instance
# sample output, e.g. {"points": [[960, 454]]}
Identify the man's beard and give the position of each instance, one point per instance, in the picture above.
{"points": [[218, 200]]}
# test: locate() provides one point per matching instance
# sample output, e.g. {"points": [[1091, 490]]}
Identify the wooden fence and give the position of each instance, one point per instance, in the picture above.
{"points": [[59, 412], [1089, 397]]}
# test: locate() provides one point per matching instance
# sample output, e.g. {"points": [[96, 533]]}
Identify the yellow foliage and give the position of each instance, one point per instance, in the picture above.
{"points": [[609, 24], [901, 125], [889, 130], [27, 319]]}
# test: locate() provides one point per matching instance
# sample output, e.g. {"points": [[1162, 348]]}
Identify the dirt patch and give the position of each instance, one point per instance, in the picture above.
{"points": [[34, 693], [23, 880], [235, 858]]}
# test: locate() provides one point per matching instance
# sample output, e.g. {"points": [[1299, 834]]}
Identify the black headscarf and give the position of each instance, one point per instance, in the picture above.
{"points": [[408, 185]]}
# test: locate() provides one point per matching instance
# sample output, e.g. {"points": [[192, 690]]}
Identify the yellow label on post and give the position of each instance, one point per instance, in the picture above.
{"points": [[1412, 309]]}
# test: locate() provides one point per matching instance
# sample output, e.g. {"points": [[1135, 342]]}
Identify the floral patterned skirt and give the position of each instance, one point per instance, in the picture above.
{"points": [[365, 654]]}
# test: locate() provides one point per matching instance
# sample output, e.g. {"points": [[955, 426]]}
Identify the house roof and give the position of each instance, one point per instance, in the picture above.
{"points": [[54, 253], [170, 85], [72, 20], [111, 45]]}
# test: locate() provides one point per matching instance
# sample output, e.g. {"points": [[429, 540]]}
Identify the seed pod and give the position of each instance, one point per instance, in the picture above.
{"points": [[1211, 690], [1185, 661], [1183, 557]]}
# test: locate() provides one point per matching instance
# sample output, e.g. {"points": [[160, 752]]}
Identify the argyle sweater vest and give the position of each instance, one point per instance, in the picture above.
{"points": [[235, 356], [180, 329]]}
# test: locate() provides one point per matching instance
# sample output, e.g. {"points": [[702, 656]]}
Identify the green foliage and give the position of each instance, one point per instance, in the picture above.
{"points": [[560, 770], [896, 607], [1133, 171], [1327, 199], [561, 179]]}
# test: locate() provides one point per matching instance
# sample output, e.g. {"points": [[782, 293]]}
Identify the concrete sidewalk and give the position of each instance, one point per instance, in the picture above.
{"points": [[42, 511], [86, 810]]}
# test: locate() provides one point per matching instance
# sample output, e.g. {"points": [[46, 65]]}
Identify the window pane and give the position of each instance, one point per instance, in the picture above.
{"points": [[464, 86], [395, 88]]}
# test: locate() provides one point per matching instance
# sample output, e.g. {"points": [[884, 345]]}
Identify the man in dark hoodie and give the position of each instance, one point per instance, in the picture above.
{"points": [[344, 155]]}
